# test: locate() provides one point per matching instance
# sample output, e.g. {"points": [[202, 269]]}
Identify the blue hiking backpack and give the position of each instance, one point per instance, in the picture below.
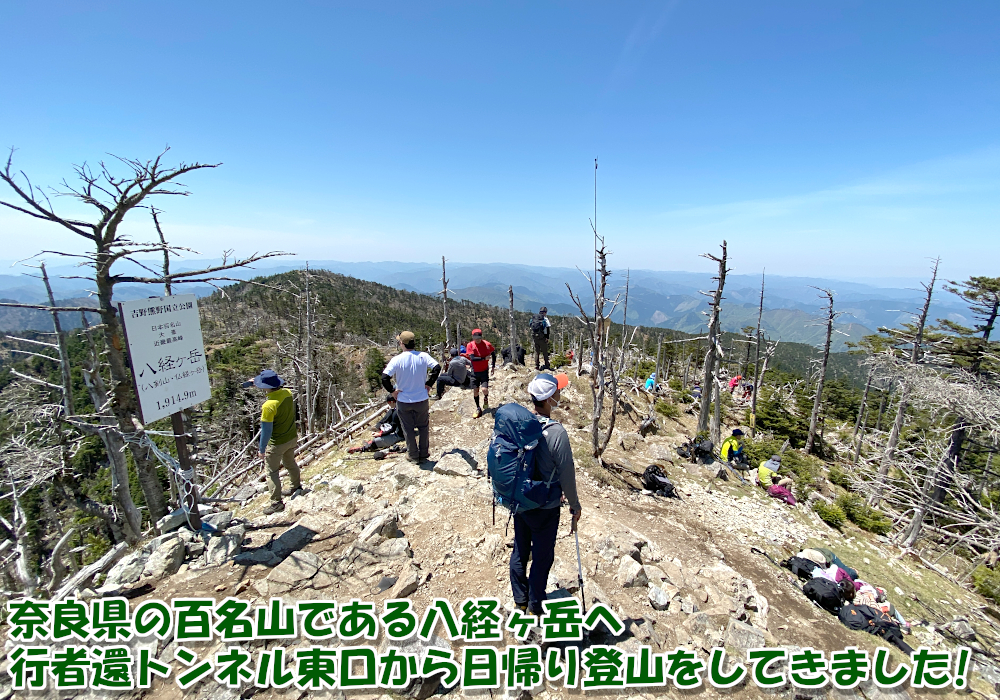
{"points": [[511, 461]]}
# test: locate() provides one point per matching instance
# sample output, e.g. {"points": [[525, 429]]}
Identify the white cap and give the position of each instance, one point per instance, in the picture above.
{"points": [[545, 385]]}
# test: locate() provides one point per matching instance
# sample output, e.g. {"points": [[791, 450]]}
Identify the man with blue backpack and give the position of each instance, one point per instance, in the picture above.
{"points": [[531, 468]]}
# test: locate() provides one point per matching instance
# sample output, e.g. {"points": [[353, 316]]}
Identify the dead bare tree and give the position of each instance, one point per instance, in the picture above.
{"points": [[818, 400], [113, 197], [916, 342], [714, 351]]}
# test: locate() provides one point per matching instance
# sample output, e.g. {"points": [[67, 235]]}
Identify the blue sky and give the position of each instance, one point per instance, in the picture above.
{"points": [[842, 139]]}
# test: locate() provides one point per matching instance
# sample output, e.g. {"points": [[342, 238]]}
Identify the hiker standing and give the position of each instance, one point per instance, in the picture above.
{"points": [[480, 352], [535, 530], [540, 325], [457, 374], [278, 437], [413, 386]]}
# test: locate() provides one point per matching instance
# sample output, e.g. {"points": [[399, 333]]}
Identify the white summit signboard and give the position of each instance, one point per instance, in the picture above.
{"points": [[167, 354]]}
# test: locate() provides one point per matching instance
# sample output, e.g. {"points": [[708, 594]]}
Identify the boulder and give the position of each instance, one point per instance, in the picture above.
{"points": [[631, 441], [171, 521], [261, 555], [293, 539], [396, 547], [454, 464], [220, 520], [407, 582], [344, 485], [382, 526], [631, 573], [659, 598], [128, 569], [156, 542], [960, 628], [407, 474], [660, 452], [166, 560], [225, 547], [650, 553], [296, 570], [741, 637]]}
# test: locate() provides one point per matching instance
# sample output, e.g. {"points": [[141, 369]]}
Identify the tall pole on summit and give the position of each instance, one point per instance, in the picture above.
{"points": [[444, 301]]}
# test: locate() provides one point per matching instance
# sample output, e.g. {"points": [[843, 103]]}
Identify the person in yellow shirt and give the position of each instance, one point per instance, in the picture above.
{"points": [[732, 451], [278, 437], [767, 473]]}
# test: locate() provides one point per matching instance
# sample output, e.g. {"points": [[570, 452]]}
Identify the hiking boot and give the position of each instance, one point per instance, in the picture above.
{"points": [[412, 460], [275, 507], [292, 491], [523, 607], [479, 413], [381, 454]]}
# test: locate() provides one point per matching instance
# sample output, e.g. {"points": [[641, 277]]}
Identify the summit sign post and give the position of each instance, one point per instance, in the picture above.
{"points": [[167, 355]]}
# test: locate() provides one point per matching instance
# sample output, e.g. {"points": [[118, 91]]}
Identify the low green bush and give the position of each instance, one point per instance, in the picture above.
{"points": [[839, 477], [987, 582], [863, 515], [675, 384], [667, 409], [558, 360], [831, 513]]}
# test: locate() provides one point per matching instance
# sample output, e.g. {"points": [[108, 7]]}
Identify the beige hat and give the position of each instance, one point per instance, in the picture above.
{"points": [[406, 337]]}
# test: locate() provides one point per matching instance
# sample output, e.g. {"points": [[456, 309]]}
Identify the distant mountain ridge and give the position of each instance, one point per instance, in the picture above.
{"points": [[656, 298]]}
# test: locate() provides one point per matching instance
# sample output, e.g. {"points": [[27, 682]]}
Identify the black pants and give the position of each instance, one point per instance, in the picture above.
{"points": [[414, 418], [534, 534], [541, 347], [448, 380]]}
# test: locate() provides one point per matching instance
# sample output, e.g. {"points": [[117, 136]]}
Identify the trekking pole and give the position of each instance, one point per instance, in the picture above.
{"points": [[579, 564]]}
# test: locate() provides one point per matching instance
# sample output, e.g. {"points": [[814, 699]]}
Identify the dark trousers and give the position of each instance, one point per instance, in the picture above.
{"points": [[534, 534], [448, 380], [414, 419], [541, 347]]}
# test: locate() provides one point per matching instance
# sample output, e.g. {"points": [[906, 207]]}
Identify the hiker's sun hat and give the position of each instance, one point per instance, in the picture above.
{"points": [[544, 385], [406, 337], [268, 379]]}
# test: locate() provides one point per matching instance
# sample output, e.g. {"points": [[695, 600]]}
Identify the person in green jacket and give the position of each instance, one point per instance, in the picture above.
{"points": [[278, 437]]}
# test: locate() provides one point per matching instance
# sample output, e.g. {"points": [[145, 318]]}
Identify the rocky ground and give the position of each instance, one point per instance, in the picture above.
{"points": [[680, 571]]}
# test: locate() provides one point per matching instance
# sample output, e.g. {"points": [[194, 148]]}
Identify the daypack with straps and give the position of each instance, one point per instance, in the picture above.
{"points": [[800, 566], [537, 326], [653, 479], [824, 593], [873, 621], [511, 461]]}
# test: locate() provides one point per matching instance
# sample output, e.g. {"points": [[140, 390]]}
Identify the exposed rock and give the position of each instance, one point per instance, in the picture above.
{"points": [[261, 555], [396, 547], [407, 582], [655, 574], [128, 569], [741, 637], [166, 560], [296, 570], [651, 552], [631, 441], [195, 549], [454, 464], [382, 526], [660, 452], [344, 485], [960, 628], [157, 541], [660, 598], [406, 474], [227, 546], [171, 521], [293, 539], [220, 520], [631, 573]]}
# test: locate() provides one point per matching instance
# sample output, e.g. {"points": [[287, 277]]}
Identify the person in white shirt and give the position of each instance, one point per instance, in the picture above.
{"points": [[410, 370]]}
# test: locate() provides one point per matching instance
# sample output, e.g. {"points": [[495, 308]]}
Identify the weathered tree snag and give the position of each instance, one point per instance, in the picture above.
{"points": [[713, 338], [817, 402]]}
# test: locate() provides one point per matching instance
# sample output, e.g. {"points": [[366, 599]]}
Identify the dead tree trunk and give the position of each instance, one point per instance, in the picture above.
{"points": [[713, 337], [444, 303], [904, 394], [817, 402], [756, 364], [513, 334]]}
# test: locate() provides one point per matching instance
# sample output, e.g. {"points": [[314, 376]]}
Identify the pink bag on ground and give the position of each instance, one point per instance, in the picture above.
{"points": [[781, 492]]}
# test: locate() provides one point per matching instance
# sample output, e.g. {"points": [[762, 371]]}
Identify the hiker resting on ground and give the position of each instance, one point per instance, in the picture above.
{"points": [[480, 352], [732, 451], [278, 437], [389, 433], [413, 387], [539, 326], [767, 473], [651, 382], [458, 373], [505, 355], [535, 530]]}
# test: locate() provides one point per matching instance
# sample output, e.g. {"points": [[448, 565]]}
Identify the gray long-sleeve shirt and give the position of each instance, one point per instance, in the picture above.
{"points": [[554, 452]]}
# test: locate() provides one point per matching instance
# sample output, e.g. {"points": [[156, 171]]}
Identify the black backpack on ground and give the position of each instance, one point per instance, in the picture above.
{"points": [[537, 326], [873, 621], [824, 593], [803, 568], [653, 479]]}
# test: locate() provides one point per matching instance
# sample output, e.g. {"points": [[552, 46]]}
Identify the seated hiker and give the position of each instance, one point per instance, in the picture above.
{"points": [[767, 473], [732, 451], [782, 493], [885, 606], [505, 355], [856, 615], [832, 558], [459, 373], [389, 433], [696, 391], [651, 382]]}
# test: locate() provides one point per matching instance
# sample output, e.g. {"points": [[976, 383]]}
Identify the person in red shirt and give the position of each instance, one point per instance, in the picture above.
{"points": [[480, 352]]}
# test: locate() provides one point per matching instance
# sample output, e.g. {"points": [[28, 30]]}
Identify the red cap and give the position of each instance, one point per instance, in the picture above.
{"points": [[476, 331]]}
